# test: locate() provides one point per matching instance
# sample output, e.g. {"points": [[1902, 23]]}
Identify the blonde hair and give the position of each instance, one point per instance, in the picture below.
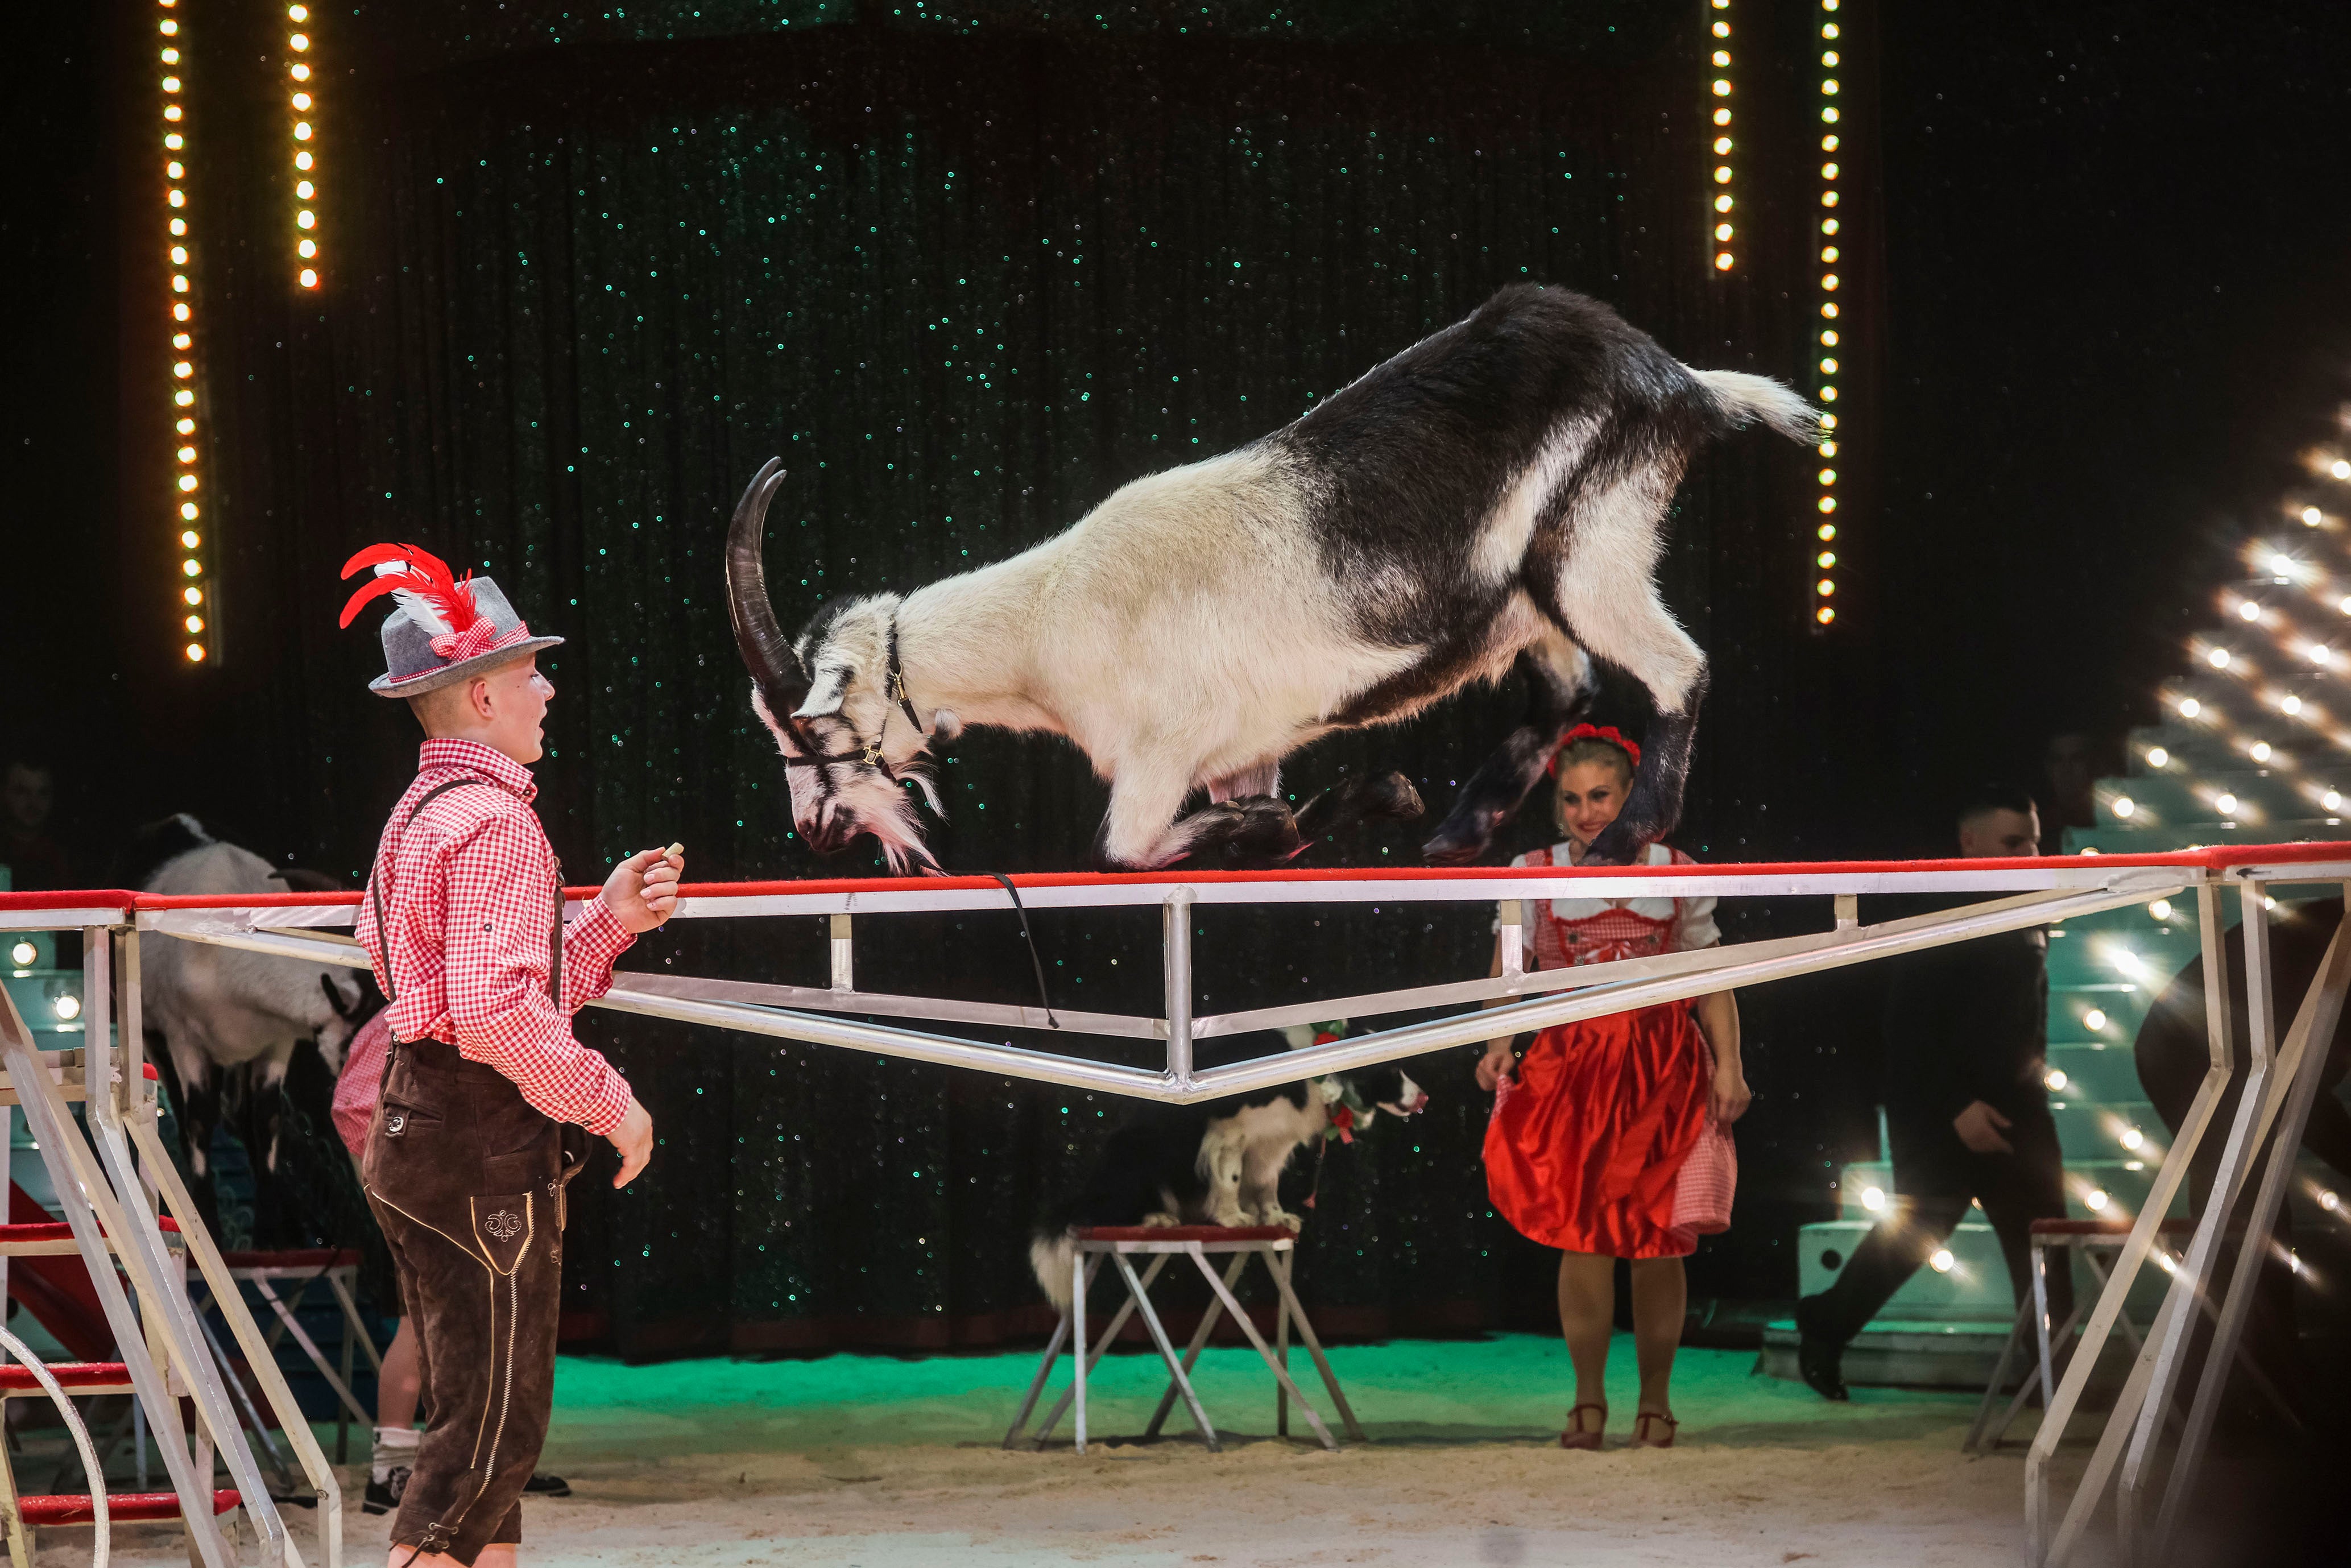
{"points": [[1591, 749]]}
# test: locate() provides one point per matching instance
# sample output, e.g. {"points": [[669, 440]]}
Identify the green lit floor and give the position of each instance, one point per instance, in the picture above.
{"points": [[884, 1463]]}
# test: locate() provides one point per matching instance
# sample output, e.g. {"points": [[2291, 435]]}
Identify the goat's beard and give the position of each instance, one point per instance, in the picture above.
{"points": [[872, 804]]}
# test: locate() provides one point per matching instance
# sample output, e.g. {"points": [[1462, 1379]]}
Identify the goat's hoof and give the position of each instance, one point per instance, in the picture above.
{"points": [[1160, 1221], [1264, 828], [1390, 798]]}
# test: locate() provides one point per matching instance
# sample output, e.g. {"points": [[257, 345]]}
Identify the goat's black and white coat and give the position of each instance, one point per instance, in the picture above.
{"points": [[1211, 1162], [1493, 495]]}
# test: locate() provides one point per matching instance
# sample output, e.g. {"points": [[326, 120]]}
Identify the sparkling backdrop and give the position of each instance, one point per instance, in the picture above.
{"points": [[965, 275]]}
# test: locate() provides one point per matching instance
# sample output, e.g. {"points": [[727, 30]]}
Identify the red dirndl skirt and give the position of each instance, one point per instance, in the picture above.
{"points": [[1586, 1151]]}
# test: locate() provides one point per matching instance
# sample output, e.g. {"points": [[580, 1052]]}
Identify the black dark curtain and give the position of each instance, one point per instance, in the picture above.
{"points": [[967, 276]]}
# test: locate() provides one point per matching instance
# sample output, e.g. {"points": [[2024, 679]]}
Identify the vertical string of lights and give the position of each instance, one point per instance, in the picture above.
{"points": [[1825, 585], [196, 615], [1725, 257], [305, 217]]}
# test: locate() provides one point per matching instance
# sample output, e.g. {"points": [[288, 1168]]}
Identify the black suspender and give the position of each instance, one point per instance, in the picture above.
{"points": [[555, 931]]}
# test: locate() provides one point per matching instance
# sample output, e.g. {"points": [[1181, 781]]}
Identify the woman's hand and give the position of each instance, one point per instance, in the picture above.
{"points": [[1497, 1063], [1730, 1097], [643, 889]]}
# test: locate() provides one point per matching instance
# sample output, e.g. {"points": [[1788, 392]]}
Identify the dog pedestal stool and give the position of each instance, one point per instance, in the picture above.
{"points": [[1120, 1244]]}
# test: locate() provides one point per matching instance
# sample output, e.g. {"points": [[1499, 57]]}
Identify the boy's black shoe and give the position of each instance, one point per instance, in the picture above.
{"points": [[383, 1495], [546, 1486], [1820, 1357]]}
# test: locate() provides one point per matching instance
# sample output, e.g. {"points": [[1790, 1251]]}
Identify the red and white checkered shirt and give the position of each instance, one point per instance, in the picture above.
{"points": [[470, 890]]}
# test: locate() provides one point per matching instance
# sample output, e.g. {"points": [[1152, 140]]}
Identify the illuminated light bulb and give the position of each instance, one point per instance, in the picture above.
{"points": [[1722, 58], [196, 624], [183, 370], [2281, 565], [1723, 29], [1828, 502], [1825, 588], [2268, 903], [170, 56], [186, 427], [1873, 1198], [300, 100], [1721, 88], [176, 198], [2095, 1200], [1827, 531], [2156, 757], [2327, 1200], [1722, 204], [180, 286], [2332, 801], [2259, 751], [1824, 614], [306, 250], [169, 28], [308, 279], [301, 160], [1941, 1261], [2310, 517], [1723, 261], [1722, 231], [174, 140], [2189, 708], [1829, 281], [187, 454], [1828, 367], [2340, 469], [2055, 1078], [1828, 448], [1722, 174], [195, 653], [189, 538], [171, 84], [1828, 394], [2250, 611], [299, 13], [193, 595], [188, 511], [2124, 806], [1829, 337], [187, 481], [305, 219], [175, 169], [1828, 253], [299, 71], [1829, 86], [183, 397], [2289, 704], [298, 42], [304, 190], [2227, 804], [2160, 909], [1827, 558], [301, 130], [191, 568], [181, 340], [171, 113], [2132, 1138], [68, 1007], [24, 953], [2320, 653], [1722, 117], [1829, 308], [2093, 1021]]}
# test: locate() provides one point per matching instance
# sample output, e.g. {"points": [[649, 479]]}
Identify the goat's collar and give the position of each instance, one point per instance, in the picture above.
{"points": [[869, 752]]}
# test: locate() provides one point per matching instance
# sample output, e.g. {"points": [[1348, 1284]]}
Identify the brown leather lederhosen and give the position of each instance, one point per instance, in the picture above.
{"points": [[466, 1177]]}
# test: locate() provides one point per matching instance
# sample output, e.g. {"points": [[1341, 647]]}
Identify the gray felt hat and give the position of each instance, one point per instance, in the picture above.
{"points": [[411, 667]]}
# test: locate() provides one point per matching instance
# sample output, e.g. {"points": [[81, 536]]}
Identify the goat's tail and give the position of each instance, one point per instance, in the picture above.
{"points": [[1051, 1255], [1745, 399]]}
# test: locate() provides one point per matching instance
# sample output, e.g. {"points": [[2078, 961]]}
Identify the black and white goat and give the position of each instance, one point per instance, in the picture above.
{"points": [[1491, 496], [228, 1022]]}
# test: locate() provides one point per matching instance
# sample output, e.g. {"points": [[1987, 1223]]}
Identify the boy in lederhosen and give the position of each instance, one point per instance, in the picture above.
{"points": [[486, 1094]]}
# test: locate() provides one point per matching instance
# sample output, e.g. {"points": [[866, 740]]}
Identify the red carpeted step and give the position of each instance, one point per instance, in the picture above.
{"points": [[73, 1508], [74, 1376], [312, 1258], [57, 1231], [1185, 1233]]}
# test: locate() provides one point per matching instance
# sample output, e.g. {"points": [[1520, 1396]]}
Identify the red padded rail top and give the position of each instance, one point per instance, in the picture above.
{"points": [[57, 1231], [73, 1508], [72, 1375], [1185, 1233]]}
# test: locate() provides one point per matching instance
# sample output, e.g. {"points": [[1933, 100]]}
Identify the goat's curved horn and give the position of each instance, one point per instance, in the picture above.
{"points": [[765, 651]]}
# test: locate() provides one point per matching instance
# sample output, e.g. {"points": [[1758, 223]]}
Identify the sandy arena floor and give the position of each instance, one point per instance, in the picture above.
{"points": [[872, 1462]]}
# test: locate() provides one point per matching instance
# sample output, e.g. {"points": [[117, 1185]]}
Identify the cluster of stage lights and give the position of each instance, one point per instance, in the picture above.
{"points": [[1725, 257], [306, 214], [1824, 587], [194, 585], [2281, 567]]}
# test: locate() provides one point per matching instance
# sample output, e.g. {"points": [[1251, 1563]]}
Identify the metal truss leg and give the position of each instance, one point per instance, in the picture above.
{"points": [[1278, 1265], [1102, 1342], [1978, 1429], [1199, 1338], [1256, 1342], [1138, 1291]]}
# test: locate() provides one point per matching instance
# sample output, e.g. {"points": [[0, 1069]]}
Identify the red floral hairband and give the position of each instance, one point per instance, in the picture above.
{"points": [[1607, 732]]}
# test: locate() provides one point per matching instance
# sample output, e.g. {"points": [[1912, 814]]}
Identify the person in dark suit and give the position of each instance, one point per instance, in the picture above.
{"points": [[1967, 1108]]}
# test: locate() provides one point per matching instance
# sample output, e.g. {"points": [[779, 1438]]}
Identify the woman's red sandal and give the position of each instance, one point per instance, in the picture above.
{"points": [[1641, 1431], [1576, 1437]]}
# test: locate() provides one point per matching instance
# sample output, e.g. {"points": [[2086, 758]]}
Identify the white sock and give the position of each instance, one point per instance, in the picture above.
{"points": [[394, 1445]]}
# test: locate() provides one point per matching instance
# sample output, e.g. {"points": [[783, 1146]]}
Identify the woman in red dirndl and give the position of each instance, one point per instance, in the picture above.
{"points": [[1610, 1139]]}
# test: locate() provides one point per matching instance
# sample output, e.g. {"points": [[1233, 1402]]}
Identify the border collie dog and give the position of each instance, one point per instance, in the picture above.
{"points": [[1214, 1161]]}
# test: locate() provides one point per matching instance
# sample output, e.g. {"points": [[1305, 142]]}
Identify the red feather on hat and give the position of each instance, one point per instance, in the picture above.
{"points": [[419, 580]]}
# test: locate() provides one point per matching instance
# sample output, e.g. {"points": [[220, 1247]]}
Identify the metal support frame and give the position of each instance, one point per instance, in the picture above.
{"points": [[2277, 1090]]}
